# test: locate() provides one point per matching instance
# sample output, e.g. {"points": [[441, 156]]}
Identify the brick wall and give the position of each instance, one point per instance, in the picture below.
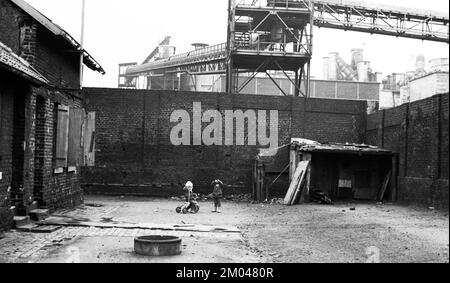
{"points": [[134, 154], [27, 124], [53, 190], [419, 133], [6, 135], [52, 56]]}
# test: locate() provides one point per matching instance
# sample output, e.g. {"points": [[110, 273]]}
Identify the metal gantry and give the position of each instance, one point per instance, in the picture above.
{"points": [[382, 19]]}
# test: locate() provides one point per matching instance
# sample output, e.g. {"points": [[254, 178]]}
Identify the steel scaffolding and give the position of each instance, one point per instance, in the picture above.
{"points": [[265, 36]]}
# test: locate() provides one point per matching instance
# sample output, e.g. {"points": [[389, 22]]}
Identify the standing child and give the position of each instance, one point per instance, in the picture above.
{"points": [[217, 195]]}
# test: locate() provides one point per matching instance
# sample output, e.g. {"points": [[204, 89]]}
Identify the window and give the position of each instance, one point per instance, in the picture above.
{"points": [[62, 135], [74, 138]]}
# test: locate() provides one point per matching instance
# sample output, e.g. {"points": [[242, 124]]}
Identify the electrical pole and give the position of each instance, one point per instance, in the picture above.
{"points": [[83, 9]]}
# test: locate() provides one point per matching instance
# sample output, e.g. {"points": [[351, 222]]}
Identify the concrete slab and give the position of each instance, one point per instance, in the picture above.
{"points": [[38, 214], [20, 221], [147, 226]]}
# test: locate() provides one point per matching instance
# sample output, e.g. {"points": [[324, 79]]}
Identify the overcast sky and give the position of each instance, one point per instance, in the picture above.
{"points": [[127, 31]]}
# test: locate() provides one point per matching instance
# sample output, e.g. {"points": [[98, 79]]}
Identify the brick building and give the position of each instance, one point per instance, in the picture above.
{"points": [[42, 120]]}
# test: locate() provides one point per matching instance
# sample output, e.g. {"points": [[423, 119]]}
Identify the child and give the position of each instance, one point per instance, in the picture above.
{"points": [[188, 193], [217, 195]]}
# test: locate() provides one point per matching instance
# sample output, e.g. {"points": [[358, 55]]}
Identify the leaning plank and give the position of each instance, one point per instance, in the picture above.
{"points": [[301, 185], [384, 186], [297, 180]]}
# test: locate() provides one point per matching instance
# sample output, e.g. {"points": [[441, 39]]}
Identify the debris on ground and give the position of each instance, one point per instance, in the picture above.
{"points": [[240, 197], [107, 219], [352, 209], [320, 197], [277, 201], [94, 205]]}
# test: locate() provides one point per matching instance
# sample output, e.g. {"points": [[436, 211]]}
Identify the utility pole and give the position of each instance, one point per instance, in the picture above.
{"points": [[230, 39], [83, 9]]}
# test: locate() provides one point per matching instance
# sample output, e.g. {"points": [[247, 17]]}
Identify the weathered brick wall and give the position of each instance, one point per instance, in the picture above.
{"points": [[10, 23], [134, 154], [49, 54], [56, 190], [27, 148], [6, 140], [419, 133]]}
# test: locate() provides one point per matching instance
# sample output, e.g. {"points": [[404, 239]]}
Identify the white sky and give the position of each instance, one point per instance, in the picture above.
{"points": [[128, 30]]}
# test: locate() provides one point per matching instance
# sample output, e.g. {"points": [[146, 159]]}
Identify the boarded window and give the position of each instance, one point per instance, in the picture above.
{"points": [[89, 139], [62, 135], [75, 154]]}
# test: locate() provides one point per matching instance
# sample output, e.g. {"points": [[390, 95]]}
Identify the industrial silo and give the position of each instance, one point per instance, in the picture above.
{"points": [[326, 62], [363, 71], [357, 55], [420, 64], [166, 51], [332, 66]]}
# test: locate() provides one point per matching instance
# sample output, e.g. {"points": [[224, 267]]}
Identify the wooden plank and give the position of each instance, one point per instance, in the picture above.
{"points": [[62, 135], [305, 191], [89, 139], [394, 178], [292, 162], [384, 187], [303, 180], [296, 182], [75, 153]]}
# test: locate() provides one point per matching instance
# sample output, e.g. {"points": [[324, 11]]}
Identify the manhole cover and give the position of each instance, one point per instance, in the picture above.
{"points": [[157, 245]]}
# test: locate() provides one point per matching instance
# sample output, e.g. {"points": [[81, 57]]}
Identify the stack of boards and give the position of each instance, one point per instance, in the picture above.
{"points": [[296, 187]]}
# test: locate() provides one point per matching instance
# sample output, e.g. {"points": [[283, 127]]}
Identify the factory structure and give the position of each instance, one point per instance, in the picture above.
{"points": [[340, 80], [269, 50], [426, 80]]}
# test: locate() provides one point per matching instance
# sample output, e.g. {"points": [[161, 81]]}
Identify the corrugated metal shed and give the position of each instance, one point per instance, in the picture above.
{"points": [[347, 148]]}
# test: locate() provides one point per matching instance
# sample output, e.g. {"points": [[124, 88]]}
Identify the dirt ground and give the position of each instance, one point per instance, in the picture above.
{"points": [[269, 233]]}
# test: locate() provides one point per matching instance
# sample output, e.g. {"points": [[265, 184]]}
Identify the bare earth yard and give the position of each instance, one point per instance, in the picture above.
{"points": [[268, 233]]}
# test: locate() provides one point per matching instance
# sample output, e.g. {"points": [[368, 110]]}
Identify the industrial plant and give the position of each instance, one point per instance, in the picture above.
{"points": [[227, 153], [272, 42]]}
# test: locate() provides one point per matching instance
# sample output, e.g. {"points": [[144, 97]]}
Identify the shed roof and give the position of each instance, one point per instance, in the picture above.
{"points": [[14, 63], [342, 148], [88, 60]]}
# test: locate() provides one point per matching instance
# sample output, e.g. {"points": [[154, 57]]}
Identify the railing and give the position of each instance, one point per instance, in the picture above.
{"points": [[273, 47], [210, 53], [288, 4], [207, 51]]}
